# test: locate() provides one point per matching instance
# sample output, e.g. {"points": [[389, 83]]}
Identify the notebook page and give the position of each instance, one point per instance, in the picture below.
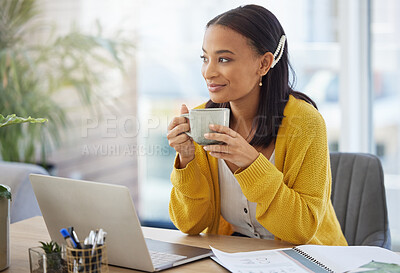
{"points": [[263, 261], [345, 258]]}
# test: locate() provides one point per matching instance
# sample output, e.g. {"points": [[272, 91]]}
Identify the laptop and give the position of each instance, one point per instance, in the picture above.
{"points": [[89, 206]]}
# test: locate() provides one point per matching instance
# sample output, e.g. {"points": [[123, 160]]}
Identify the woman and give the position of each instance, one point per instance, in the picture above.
{"points": [[271, 176]]}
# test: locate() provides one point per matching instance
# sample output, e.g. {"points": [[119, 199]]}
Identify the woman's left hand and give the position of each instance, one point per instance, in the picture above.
{"points": [[235, 148]]}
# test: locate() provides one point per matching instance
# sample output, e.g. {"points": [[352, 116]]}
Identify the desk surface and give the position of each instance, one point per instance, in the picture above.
{"points": [[27, 233]]}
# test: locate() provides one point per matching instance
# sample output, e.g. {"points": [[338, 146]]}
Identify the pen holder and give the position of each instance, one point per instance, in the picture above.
{"points": [[87, 260]]}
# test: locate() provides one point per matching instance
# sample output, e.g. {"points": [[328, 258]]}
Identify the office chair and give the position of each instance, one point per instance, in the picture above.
{"points": [[359, 200], [16, 175]]}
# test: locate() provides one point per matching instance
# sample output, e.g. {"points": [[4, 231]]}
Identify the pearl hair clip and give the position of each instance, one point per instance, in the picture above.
{"points": [[279, 51]]}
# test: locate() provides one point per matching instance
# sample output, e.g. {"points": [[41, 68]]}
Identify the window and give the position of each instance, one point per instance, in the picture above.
{"points": [[386, 92], [385, 33]]}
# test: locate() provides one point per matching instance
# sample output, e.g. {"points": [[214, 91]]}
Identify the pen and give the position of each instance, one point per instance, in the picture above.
{"points": [[93, 256], [74, 237], [101, 237], [95, 241], [68, 238]]}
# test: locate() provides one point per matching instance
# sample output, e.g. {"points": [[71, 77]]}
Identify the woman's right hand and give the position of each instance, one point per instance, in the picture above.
{"points": [[180, 141]]}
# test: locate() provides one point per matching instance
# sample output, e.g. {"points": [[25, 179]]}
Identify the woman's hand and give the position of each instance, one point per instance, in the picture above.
{"points": [[235, 148], [180, 141]]}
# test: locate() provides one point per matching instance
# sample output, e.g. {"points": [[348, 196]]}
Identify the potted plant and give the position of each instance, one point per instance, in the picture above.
{"points": [[49, 257], [32, 73], [5, 198]]}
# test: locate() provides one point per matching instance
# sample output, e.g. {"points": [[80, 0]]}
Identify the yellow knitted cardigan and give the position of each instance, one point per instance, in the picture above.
{"points": [[292, 196]]}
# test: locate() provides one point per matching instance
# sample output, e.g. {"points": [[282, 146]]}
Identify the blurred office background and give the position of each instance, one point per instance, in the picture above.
{"points": [[346, 55]]}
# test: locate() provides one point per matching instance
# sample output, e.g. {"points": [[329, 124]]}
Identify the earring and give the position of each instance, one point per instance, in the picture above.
{"points": [[260, 84]]}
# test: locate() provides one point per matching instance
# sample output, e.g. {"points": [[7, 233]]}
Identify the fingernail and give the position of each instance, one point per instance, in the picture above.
{"points": [[207, 135], [205, 148], [211, 126]]}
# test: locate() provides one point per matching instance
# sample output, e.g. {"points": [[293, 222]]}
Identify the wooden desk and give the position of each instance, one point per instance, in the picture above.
{"points": [[28, 233]]}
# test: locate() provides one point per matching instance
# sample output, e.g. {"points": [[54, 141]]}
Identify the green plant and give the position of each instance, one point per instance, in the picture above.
{"points": [[54, 262], [4, 193], [13, 119], [50, 247], [32, 73]]}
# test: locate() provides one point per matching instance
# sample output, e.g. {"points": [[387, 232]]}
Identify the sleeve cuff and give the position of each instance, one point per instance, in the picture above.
{"points": [[186, 179], [259, 170]]}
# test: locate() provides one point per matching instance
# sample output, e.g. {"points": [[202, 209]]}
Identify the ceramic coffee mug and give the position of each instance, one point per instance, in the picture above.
{"points": [[200, 119]]}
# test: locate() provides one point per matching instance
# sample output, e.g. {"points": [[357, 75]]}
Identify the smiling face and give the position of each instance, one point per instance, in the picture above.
{"points": [[231, 67]]}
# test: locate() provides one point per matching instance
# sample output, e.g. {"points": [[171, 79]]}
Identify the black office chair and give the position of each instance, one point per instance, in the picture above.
{"points": [[359, 200]]}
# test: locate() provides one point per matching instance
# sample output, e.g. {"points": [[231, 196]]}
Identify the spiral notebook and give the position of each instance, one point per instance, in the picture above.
{"points": [[305, 258]]}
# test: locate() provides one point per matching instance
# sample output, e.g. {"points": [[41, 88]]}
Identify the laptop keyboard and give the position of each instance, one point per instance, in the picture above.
{"points": [[161, 258]]}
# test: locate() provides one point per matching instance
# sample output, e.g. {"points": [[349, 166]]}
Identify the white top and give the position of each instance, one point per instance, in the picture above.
{"points": [[235, 208]]}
